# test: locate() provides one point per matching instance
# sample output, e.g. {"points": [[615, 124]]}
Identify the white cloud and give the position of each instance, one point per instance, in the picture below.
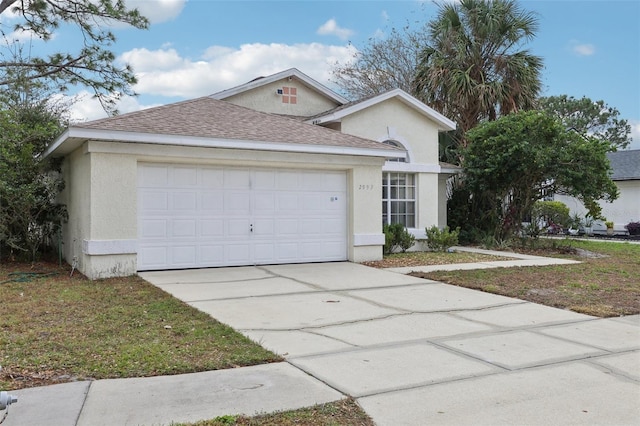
{"points": [[21, 36], [144, 60], [384, 15], [157, 11], [165, 73], [635, 134], [582, 49], [331, 27], [85, 107]]}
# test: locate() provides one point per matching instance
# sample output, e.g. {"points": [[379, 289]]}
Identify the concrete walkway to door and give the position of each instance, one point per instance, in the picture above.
{"points": [[413, 351]]}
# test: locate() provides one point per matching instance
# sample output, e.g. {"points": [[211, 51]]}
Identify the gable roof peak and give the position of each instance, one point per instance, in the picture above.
{"points": [[336, 114], [289, 73]]}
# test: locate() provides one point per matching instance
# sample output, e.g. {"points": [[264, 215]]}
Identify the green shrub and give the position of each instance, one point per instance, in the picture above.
{"points": [[551, 212], [396, 236], [438, 240]]}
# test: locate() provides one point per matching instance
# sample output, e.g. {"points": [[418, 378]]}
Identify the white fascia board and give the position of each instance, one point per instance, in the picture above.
{"points": [[411, 167], [443, 122], [56, 143], [79, 135], [292, 72]]}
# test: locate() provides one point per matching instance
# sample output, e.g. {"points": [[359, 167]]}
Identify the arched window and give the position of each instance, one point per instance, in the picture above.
{"points": [[397, 145]]}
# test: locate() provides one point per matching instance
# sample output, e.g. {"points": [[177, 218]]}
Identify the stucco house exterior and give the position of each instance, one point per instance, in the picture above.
{"points": [[278, 170], [625, 166]]}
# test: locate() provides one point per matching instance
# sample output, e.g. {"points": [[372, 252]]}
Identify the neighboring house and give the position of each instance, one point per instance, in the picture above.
{"points": [[278, 170], [625, 166]]}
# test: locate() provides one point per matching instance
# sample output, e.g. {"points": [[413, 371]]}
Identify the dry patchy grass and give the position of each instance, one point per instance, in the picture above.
{"points": [[55, 328], [603, 286], [341, 413]]}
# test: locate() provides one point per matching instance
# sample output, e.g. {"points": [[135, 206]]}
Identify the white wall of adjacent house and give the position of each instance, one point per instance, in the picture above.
{"points": [[623, 210], [103, 231], [279, 98]]}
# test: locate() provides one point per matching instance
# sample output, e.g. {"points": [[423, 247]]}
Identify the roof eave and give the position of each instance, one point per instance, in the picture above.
{"points": [[74, 137]]}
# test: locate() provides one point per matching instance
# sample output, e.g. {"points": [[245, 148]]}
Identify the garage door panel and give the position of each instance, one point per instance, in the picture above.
{"points": [[212, 178], [212, 202], [238, 227], [153, 257], [264, 228], [185, 176], [287, 181], [184, 201], [237, 179], [264, 179], [264, 252], [154, 176], [286, 203], [211, 255], [154, 228], [264, 203], [183, 228], [237, 203], [334, 182], [287, 251], [287, 227], [184, 255], [200, 216], [314, 202], [333, 226], [211, 228], [154, 200], [237, 254]]}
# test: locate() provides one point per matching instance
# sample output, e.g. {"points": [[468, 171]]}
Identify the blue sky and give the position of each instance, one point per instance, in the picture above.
{"points": [[199, 47]]}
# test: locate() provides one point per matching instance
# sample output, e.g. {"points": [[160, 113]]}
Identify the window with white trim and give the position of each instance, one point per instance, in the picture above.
{"points": [[399, 198], [397, 145]]}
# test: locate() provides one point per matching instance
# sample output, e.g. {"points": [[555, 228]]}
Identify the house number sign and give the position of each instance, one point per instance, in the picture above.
{"points": [[366, 187]]}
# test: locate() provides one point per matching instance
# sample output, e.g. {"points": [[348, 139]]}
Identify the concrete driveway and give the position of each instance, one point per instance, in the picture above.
{"points": [[413, 351]]}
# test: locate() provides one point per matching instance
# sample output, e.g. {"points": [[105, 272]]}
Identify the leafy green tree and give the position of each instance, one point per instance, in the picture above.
{"points": [[514, 161], [29, 183], [590, 118], [473, 68], [92, 65]]}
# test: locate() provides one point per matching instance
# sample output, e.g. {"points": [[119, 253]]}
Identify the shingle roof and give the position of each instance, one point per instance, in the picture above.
{"points": [[625, 164], [210, 118]]}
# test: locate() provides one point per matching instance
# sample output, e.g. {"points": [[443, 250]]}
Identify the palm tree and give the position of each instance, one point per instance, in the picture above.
{"points": [[473, 68]]}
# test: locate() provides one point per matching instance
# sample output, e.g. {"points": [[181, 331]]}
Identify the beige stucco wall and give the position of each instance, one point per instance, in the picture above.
{"points": [[622, 211], [76, 196], [265, 99], [102, 195], [393, 119]]}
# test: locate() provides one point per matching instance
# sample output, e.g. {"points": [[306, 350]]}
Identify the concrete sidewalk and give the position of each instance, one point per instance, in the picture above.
{"points": [[411, 351]]}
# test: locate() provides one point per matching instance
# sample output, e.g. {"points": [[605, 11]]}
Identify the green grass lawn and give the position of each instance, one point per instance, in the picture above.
{"points": [[601, 286], [56, 329]]}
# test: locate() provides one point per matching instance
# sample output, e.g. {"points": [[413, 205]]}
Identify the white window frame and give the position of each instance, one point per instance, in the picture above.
{"points": [[387, 214]]}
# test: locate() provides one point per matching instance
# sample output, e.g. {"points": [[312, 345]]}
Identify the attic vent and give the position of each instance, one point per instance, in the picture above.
{"points": [[279, 91], [289, 95]]}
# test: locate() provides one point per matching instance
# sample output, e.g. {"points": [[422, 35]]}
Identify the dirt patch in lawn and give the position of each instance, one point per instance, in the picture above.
{"points": [[422, 258]]}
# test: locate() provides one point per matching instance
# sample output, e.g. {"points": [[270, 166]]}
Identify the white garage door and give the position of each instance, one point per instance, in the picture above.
{"points": [[200, 216]]}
